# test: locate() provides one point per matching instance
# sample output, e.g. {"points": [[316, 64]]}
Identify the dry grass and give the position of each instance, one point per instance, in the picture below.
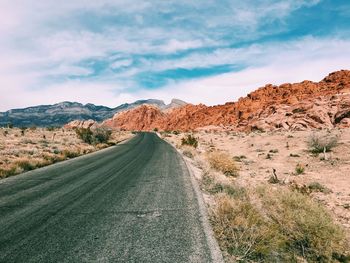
{"points": [[223, 162], [266, 225], [34, 148], [304, 218]]}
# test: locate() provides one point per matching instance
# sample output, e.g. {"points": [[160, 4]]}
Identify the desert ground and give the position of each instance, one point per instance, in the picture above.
{"points": [[279, 160], [26, 149]]}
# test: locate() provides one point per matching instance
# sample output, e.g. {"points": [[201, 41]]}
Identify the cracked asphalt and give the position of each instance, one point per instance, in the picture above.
{"points": [[130, 203]]}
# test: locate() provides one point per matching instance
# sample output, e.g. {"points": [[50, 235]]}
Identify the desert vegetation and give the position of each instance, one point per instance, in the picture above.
{"points": [[281, 202], [25, 149]]}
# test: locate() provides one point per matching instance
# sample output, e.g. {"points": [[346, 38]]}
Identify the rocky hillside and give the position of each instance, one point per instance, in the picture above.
{"points": [[64, 112], [298, 106]]}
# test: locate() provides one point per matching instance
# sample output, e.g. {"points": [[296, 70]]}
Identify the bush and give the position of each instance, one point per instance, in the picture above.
{"points": [[70, 154], [319, 143], [279, 226], [26, 165], [317, 187], [101, 135], [222, 162], [190, 140], [299, 169], [7, 172], [85, 134]]}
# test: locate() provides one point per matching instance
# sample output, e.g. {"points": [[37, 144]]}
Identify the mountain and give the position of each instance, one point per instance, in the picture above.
{"points": [[64, 112], [298, 106]]}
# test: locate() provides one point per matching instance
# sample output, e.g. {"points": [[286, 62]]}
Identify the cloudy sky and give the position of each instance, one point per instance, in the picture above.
{"points": [[114, 51]]}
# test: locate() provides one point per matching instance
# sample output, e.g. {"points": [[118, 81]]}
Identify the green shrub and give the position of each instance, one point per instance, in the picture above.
{"points": [[319, 143], [190, 140], [85, 134], [101, 135], [317, 187], [299, 169]]}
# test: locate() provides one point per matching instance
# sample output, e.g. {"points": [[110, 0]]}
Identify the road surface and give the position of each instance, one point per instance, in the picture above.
{"points": [[130, 203]]}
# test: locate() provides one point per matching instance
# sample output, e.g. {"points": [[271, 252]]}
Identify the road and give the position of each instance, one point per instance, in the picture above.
{"points": [[130, 203]]}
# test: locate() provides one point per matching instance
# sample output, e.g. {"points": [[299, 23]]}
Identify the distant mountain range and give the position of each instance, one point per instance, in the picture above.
{"points": [[64, 112]]}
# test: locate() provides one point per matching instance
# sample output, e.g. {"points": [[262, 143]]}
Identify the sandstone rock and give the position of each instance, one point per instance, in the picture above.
{"points": [[80, 124], [298, 106]]}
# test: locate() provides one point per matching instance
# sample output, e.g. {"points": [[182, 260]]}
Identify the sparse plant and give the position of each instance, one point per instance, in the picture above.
{"points": [[299, 169], [322, 143], [190, 140], [317, 187], [222, 162]]}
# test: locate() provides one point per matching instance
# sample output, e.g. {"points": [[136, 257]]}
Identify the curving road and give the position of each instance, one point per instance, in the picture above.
{"points": [[129, 203]]}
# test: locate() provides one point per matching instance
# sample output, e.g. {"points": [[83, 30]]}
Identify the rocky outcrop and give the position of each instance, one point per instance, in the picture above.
{"points": [[81, 124], [299, 106]]}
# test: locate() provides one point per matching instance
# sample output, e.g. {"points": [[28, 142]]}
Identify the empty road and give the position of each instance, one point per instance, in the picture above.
{"points": [[130, 203]]}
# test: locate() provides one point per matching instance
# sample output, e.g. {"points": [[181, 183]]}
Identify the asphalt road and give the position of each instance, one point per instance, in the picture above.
{"points": [[130, 203]]}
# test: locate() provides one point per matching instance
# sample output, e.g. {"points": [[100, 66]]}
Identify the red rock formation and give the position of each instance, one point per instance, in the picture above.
{"points": [[80, 124], [298, 106]]}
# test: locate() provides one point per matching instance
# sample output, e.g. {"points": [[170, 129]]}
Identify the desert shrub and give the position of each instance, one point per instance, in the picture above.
{"points": [[5, 133], [222, 162], [241, 230], [85, 134], [155, 129], [190, 140], [319, 143], [26, 165], [317, 187], [278, 226], [7, 172], [299, 169], [70, 154], [176, 132], [307, 229], [101, 135]]}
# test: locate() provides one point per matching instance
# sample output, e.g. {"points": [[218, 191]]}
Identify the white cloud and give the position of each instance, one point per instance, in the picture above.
{"points": [[121, 63]]}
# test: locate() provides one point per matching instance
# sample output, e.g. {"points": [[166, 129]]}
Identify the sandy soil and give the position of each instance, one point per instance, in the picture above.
{"points": [[257, 154], [40, 146]]}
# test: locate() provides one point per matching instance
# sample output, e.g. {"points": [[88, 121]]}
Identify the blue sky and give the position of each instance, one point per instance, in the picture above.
{"points": [[114, 51]]}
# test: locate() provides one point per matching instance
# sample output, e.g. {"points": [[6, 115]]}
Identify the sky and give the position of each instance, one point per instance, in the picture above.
{"points": [[109, 52]]}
